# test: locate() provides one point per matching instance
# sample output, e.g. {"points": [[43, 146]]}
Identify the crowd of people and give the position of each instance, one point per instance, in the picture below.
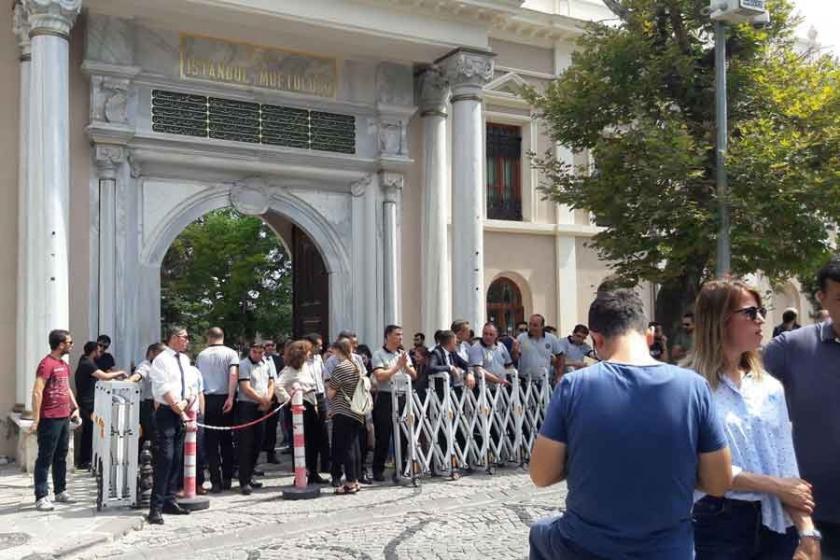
{"points": [[632, 433], [733, 454]]}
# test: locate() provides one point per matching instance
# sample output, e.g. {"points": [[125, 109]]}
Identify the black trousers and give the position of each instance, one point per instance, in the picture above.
{"points": [[383, 428], [147, 423], [345, 445], [169, 433], [324, 451], [218, 445], [53, 443], [250, 440], [86, 441], [270, 431]]}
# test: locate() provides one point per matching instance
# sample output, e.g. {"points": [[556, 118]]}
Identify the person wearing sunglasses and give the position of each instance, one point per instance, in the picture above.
{"points": [[105, 361], [766, 512]]}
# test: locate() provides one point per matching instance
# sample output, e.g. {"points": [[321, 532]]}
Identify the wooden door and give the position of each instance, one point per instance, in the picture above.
{"points": [[310, 288]]}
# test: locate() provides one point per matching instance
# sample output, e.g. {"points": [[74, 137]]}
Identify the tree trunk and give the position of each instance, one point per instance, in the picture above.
{"points": [[675, 298]]}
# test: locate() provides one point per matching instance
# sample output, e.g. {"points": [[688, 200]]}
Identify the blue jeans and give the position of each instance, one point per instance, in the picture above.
{"points": [[53, 442], [727, 529], [546, 543]]}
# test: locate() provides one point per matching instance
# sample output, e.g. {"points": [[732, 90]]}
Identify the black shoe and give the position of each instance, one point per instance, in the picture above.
{"points": [[379, 477], [216, 489], [317, 479], [83, 467], [256, 484], [271, 458], [175, 509], [259, 472], [286, 451], [155, 518], [336, 482], [227, 484], [246, 490], [365, 479]]}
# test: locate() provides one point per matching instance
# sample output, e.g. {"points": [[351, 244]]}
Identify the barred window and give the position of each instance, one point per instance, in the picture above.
{"points": [[504, 172]]}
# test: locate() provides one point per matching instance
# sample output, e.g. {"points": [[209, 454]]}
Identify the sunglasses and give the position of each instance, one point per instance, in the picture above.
{"points": [[753, 312]]}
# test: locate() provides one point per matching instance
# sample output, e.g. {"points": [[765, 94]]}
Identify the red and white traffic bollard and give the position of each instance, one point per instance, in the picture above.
{"points": [[190, 501], [301, 490]]}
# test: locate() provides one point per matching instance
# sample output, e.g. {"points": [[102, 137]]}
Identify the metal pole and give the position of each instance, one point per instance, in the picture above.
{"points": [[723, 248]]}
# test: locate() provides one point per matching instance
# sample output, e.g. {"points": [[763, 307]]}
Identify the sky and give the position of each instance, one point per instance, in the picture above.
{"points": [[824, 15]]}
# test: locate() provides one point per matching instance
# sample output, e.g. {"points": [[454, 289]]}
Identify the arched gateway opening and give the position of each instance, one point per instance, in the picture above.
{"points": [[258, 277]]}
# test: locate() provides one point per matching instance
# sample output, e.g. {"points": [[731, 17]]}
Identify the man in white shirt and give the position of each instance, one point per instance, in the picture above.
{"points": [[172, 396], [539, 351], [490, 358], [461, 328], [575, 350], [219, 367], [147, 400], [388, 363]]}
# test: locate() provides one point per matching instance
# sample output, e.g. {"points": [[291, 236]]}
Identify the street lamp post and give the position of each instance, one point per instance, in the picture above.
{"points": [[724, 257], [723, 12]]}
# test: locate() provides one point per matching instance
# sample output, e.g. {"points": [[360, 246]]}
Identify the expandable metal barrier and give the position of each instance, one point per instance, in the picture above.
{"points": [[445, 430], [116, 429]]}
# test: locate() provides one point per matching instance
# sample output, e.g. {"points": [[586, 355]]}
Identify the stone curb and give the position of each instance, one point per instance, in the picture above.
{"points": [[106, 532]]}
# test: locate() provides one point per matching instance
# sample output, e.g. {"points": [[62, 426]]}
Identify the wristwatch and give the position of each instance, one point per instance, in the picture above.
{"points": [[811, 533]]}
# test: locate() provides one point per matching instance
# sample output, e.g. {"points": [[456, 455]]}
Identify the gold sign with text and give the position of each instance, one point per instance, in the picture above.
{"points": [[217, 60]]}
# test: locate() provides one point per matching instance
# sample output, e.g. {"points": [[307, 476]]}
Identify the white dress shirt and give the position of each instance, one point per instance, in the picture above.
{"points": [[168, 377]]}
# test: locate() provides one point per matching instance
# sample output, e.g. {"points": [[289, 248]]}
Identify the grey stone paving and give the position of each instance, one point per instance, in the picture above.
{"points": [[479, 516]]}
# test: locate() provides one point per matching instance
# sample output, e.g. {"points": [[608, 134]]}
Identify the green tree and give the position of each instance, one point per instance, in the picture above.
{"points": [[639, 97], [228, 270]]}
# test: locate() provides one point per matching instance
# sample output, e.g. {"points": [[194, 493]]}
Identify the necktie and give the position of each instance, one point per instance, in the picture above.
{"points": [[180, 367]]}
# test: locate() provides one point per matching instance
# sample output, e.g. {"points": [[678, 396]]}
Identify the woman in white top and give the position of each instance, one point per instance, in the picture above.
{"points": [[295, 371], [766, 513]]}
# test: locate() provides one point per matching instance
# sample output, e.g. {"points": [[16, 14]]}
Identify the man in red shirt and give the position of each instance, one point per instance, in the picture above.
{"points": [[53, 404]]}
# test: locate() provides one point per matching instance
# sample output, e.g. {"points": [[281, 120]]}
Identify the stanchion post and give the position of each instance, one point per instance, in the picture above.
{"points": [[300, 490], [190, 501]]}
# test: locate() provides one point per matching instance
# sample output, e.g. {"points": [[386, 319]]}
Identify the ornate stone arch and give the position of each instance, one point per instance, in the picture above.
{"points": [[259, 198]]}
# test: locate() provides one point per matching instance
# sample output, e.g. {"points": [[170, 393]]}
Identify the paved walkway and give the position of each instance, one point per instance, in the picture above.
{"points": [[479, 516]]}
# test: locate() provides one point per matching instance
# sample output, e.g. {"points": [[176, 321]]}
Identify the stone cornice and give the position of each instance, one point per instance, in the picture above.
{"points": [[52, 17], [392, 184]]}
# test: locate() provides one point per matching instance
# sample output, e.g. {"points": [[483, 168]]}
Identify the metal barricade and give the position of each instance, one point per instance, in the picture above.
{"points": [[116, 430], [445, 429]]}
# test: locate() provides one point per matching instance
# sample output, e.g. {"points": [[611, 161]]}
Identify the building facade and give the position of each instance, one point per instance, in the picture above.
{"points": [[383, 140]]}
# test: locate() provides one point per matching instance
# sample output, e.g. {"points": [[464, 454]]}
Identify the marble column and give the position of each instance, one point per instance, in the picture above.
{"points": [[467, 71], [435, 280], [392, 184], [108, 159], [22, 360], [48, 178]]}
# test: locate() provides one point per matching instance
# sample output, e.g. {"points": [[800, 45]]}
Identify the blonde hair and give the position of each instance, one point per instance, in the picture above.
{"points": [[715, 304]]}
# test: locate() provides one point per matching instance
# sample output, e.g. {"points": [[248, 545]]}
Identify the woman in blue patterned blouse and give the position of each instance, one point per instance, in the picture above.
{"points": [[766, 513]]}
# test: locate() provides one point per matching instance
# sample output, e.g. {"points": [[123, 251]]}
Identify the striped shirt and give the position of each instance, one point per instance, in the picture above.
{"points": [[344, 379], [214, 364]]}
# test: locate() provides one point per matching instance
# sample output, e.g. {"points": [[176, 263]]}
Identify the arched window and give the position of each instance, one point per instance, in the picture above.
{"points": [[504, 304]]}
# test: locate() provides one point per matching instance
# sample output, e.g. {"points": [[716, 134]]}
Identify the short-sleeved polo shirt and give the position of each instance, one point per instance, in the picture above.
{"points": [[807, 362], [258, 374], [494, 359], [633, 435], [535, 354], [214, 363], [385, 359]]}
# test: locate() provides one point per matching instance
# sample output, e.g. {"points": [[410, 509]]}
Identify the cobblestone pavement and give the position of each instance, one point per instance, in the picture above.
{"points": [[478, 516]]}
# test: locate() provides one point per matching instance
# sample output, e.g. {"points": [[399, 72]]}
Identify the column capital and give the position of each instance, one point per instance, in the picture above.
{"points": [[392, 184], [20, 27], [108, 157], [467, 71], [432, 91], [52, 17]]}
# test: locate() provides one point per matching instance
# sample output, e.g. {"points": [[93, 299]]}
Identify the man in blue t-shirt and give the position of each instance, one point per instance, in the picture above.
{"points": [[633, 437]]}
